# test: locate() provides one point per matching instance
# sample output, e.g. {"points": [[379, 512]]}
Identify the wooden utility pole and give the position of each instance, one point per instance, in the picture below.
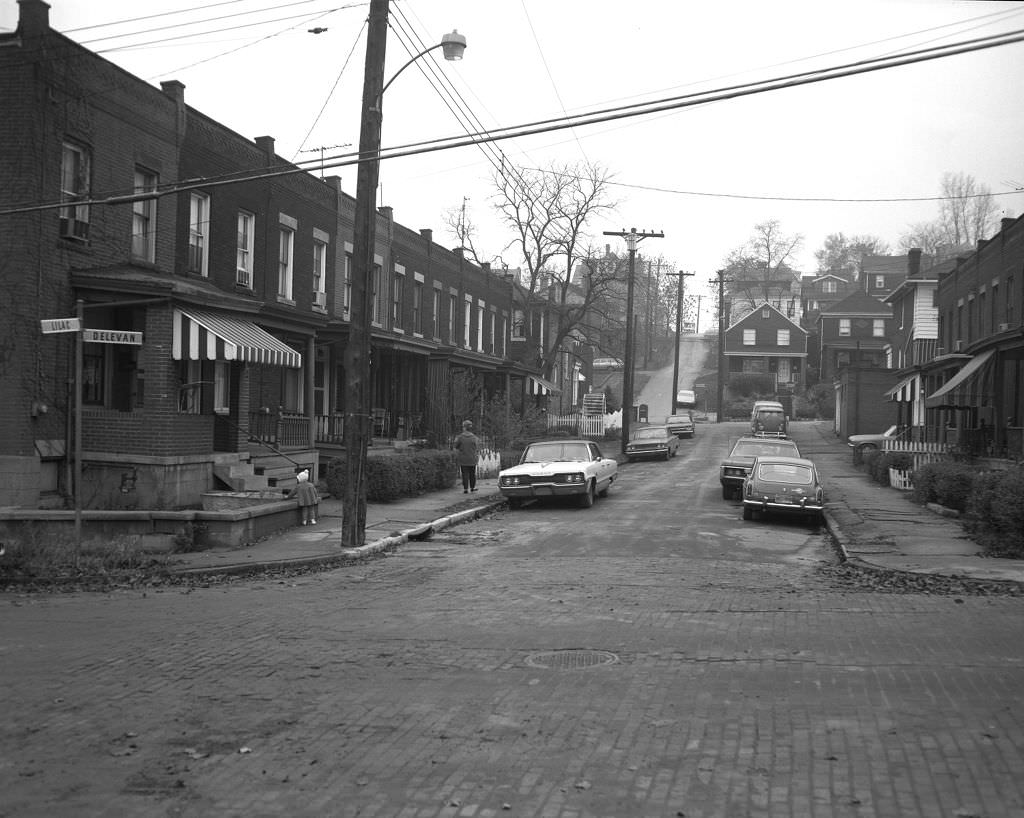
{"points": [[633, 238], [722, 374], [679, 320]]}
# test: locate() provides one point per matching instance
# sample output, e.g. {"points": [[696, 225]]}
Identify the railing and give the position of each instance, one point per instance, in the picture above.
{"points": [[281, 429], [329, 429]]}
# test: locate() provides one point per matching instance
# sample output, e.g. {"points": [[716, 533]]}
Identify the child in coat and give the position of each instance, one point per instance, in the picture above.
{"points": [[309, 497]]}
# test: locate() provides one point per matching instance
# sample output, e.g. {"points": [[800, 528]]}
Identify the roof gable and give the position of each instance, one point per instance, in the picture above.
{"points": [[755, 314], [859, 303]]}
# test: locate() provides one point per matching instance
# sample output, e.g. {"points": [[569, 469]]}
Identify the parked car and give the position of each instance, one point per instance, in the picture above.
{"points": [[680, 425], [607, 363], [559, 468], [652, 441], [869, 443], [769, 421], [783, 485], [734, 469]]}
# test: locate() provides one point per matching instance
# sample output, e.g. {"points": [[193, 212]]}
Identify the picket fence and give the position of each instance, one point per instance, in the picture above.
{"points": [[586, 425], [921, 451]]}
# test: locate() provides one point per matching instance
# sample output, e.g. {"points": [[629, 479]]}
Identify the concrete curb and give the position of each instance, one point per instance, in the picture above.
{"points": [[348, 554]]}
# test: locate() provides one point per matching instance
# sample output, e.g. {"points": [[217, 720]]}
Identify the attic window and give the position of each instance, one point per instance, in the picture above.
{"points": [[766, 313]]}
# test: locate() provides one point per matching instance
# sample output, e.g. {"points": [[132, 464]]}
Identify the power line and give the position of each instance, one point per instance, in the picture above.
{"points": [[629, 111]]}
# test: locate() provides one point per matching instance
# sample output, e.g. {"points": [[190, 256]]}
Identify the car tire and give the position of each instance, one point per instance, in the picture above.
{"points": [[587, 498], [868, 447], [515, 503], [748, 513]]}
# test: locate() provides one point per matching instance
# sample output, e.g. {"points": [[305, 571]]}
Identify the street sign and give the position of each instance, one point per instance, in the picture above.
{"points": [[52, 325], [112, 336]]}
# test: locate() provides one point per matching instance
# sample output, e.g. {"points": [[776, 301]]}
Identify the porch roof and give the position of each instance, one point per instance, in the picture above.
{"points": [[905, 391]]}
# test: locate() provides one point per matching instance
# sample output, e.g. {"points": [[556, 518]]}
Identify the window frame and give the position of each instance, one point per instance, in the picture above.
{"points": [[73, 215], [782, 338], [199, 228], [144, 216], [749, 337], [845, 328], [285, 261], [244, 254]]}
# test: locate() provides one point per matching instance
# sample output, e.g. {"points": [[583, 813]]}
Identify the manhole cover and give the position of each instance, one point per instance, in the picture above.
{"points": [[572, 659]]}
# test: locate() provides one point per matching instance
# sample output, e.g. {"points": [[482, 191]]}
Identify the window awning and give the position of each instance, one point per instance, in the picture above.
{"points": [[208, 336], [905, 391], [538, 386], [971, 386]]}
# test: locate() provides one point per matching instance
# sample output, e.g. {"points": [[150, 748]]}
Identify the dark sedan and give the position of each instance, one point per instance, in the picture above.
{"points": [[652, 441], [735, 468]]}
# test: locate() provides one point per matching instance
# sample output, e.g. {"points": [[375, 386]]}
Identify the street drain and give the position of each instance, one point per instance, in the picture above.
{"points": [[571, 659]]}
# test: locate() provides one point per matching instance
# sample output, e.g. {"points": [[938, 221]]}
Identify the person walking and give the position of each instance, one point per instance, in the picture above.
{"points": [[309, 497], [467, 445]]}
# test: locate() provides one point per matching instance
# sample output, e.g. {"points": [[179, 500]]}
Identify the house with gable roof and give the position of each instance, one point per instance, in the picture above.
{"points": [[766, 342]]}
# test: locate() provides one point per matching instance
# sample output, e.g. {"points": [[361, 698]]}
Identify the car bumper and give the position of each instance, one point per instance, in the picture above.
{"points": [[775, 507], [648, 453], [543, 490]]}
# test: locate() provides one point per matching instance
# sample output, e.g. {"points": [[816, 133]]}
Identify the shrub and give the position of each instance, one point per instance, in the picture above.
{"points": [[393, 476], [995, 514], [870, 460], [953, 485], [924, 483]]}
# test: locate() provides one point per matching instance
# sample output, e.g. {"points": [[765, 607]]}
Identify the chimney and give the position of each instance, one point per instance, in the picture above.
{"points": [[33, 18], [913, 262], [176, 91], [427, 233], [266, 144], [485, 266], [387, 211]]}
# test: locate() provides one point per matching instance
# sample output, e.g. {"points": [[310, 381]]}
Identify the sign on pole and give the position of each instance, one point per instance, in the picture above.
{"points": [[112, 336], [52, 325]]}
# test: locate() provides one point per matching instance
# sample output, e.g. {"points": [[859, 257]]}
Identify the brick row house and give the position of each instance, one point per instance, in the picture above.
{"points": [[229, 293]]}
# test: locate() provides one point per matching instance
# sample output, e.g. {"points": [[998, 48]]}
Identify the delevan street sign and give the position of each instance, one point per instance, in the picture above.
{"points": [[52, 325], [112, 336]]}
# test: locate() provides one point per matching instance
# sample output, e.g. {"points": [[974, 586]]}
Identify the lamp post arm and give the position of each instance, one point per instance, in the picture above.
{"points": [[400, 70]]}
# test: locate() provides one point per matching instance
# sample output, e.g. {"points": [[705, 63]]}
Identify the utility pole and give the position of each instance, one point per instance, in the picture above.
{"points": [[357, 429], [721, 345], [679, 320], [633, 238]]}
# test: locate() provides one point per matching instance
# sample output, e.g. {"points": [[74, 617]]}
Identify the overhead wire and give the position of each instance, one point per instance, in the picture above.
{"points": [[633, 110]]}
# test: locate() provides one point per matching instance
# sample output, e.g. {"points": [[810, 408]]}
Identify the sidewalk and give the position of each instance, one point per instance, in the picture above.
{"points": [[874, 526], [387, 525], [882, 527]]}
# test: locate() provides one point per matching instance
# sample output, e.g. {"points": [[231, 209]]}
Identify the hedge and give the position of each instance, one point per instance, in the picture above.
{"points": [[392, 477]]}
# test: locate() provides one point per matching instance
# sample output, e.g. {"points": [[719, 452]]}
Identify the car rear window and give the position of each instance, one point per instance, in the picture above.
{"points": [[756, 448], [785, 473]]}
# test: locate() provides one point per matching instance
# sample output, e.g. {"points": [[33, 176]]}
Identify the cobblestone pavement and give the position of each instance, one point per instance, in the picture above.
{"points": [[543, 663]]}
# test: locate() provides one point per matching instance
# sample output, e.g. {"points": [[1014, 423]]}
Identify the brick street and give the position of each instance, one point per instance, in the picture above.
{"points": [[549, 662]]}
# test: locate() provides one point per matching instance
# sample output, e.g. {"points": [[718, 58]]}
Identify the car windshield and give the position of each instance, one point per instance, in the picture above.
{"points": [[548, 452], [785, 473], [648, 434], [757, 448]]}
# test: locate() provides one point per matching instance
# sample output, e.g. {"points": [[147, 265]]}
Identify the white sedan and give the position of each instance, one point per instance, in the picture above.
{"points": [[557, 468]]}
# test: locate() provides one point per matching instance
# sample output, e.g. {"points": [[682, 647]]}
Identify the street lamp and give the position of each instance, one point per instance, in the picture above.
{"points": [[356, 358]]}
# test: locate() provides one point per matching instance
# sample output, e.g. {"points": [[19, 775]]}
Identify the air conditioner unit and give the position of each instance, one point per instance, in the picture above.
{"points": [[1004, 327], [958, 346], [320, 300], [243, 278]]}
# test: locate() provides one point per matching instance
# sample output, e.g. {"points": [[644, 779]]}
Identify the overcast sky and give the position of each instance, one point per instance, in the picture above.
{"points": [[703, 175]]}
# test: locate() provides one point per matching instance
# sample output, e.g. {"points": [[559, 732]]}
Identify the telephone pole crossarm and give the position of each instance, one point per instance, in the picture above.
{"points": [[633, 238]]}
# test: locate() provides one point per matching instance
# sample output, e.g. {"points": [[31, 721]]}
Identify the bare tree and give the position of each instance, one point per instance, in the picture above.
{"points": [[759, 270], [841, 254], [967, 213], [461, 225], [548, 212]]}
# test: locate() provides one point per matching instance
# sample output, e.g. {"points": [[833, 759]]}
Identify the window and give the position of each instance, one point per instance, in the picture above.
{"points": [[243, 262], [319, 269], [346, 305], [198, 233], [828, 286], [518, 325], [453, 306], [417, 307], [467, 317], [94, 374], [397, 293], [500, 333], [480, 326], [285, 260], [492, 347], [190, 387], [879, 282], [144, 218], [375, 294], [435, 314], [878, 328], [782, 338], [1009, 301], [75, 176], [844, 326], [749, 337]]}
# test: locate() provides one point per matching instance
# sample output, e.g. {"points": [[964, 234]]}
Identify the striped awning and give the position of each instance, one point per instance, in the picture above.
{"points": [[970, 387], [203, 335], [536, 385], [905, 391]]}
